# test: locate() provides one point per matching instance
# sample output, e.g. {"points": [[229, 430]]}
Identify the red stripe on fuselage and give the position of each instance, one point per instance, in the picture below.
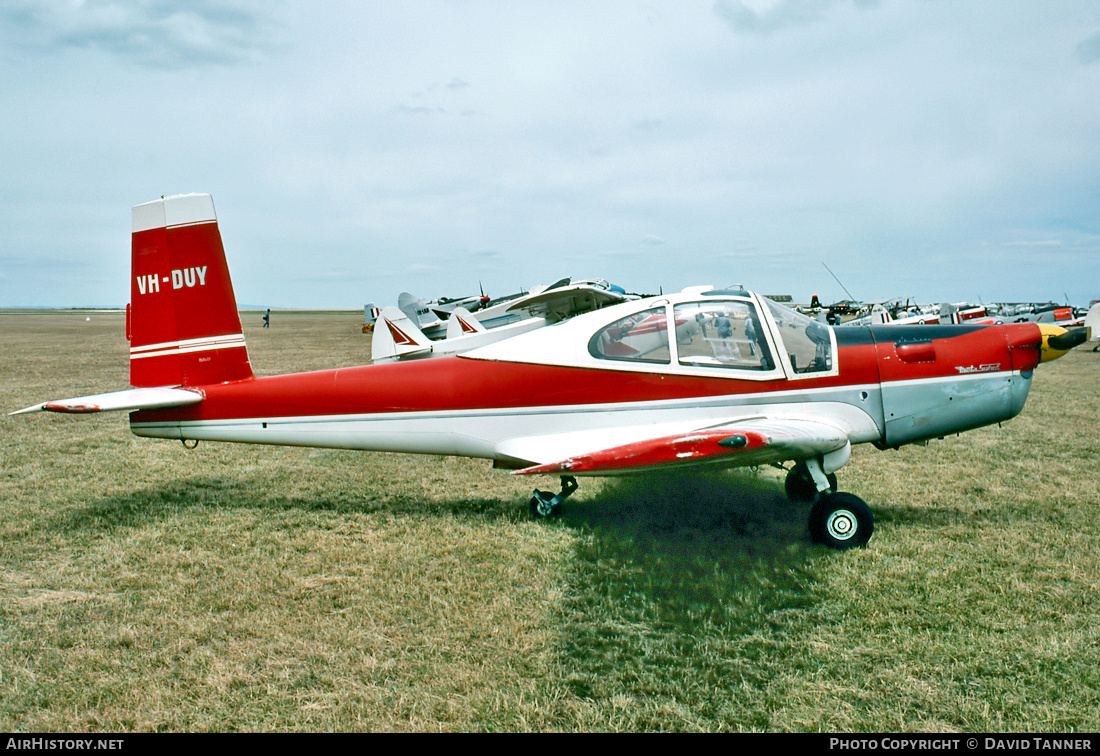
{"points": [[461, 383]]}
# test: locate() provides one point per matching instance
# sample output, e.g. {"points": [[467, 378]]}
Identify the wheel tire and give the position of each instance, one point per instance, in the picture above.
{"points": [[539, 509], [841, 521], [800, 486]]}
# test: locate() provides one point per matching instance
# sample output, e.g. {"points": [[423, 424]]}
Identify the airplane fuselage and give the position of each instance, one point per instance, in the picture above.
{"points": [[893, 386]]}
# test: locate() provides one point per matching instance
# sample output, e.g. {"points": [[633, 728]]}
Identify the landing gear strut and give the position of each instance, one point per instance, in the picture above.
{"points": [[837, 520], [545, 504], [800, 484]]}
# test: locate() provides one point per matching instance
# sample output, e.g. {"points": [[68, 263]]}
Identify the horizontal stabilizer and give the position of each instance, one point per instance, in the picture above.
{"points": [[129, 400]]}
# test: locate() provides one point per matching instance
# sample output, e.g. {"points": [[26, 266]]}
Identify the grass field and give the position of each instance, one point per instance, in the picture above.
{"points": [[147, 587]]}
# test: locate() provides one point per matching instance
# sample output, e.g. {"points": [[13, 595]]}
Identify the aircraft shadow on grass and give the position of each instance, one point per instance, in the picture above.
{"points": [[731, 509], [725, 547]]}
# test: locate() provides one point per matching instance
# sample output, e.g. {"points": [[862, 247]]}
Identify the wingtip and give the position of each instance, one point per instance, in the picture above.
{"points": [[27, 410]]}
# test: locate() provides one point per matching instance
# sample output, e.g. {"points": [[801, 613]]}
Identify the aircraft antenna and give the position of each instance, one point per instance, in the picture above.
{"points": [[838, 281]]}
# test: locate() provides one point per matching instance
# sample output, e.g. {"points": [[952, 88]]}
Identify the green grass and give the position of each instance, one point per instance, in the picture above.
{"points": [[148, 587]]}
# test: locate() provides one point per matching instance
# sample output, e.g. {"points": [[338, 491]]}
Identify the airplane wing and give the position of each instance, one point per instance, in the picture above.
{"points": [[132, 399], [737, 444], [559, 303]]}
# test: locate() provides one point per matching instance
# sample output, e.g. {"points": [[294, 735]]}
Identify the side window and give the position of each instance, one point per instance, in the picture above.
{"points": [[808, 342], [721, 334], [641, 337]]}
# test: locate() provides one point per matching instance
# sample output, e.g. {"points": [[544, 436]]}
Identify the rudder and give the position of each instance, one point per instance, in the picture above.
{"points": [[184, 327]]}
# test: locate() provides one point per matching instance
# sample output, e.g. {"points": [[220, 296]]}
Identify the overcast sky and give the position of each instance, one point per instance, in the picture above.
{"points": [[938, 149]]}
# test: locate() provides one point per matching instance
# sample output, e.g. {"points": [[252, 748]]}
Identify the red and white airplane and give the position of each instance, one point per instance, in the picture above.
{"points": [[745, 381]]}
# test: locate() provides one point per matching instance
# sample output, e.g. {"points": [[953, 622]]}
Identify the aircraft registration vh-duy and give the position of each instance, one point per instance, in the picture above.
{"points": [[705, 378]]}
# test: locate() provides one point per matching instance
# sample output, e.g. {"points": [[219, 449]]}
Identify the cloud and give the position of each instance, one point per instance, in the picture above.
{"points": [[422, 109], [1040, 243], [160, 34], [1088, 51], [758, 136], [765, 16]]}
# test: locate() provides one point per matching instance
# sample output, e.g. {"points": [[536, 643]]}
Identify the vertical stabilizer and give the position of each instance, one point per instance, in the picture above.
{"points": [[462, 323], [396, 336], [184, 326]]}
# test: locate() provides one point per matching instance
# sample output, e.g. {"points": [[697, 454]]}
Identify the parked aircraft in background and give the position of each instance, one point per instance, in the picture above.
{"points": [[397, 337], [1092, 323], [835, 312], [744, 381], [557, 301], [1062, 315], [943, 314], [898, 311]]}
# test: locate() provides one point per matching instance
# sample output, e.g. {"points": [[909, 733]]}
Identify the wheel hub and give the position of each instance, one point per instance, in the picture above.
{"points": [[842, 525]]}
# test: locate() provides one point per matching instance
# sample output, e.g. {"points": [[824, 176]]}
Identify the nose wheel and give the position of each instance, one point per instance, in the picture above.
{"points": [[841, 521], [838, 520]]}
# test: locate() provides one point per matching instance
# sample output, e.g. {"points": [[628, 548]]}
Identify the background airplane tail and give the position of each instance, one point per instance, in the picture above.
{"points": [[397, 336], [462, 323], [182, 321]]}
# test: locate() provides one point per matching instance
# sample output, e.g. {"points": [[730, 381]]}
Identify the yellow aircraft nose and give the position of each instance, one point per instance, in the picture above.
{"points": [[1057, 340]]}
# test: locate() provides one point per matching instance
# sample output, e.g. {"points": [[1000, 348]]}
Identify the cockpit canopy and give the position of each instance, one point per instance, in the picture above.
{"points": [[718, 329]]}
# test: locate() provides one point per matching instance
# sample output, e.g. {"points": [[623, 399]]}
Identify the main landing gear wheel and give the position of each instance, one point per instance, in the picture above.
{"points": [[545, 504], [841, 521], [800, 485]]}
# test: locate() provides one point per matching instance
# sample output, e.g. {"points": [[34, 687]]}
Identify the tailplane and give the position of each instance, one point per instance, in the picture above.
{"points": [[182, 323]]}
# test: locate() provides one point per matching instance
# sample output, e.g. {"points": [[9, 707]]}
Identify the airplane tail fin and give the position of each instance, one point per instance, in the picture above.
{"points": [[462, 323], [417, 310], [182, 321], [880, 315], [1092, 321], [396, 336]]}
